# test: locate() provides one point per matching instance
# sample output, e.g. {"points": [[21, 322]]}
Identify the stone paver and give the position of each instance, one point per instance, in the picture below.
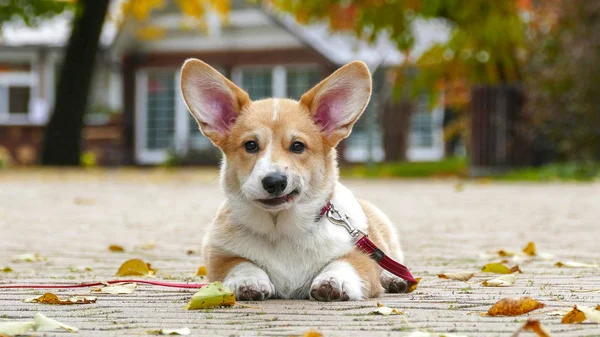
{"points": [[71, 217]]}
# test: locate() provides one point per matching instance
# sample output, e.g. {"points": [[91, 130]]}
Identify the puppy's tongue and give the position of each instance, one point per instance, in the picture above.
{"points": [[278, 200]]}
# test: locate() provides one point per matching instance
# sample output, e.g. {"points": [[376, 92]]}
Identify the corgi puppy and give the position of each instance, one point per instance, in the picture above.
{"points": [[279, 170]]}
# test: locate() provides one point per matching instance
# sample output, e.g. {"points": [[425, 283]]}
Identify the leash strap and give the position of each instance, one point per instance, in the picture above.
{"points": [[365, 245]]}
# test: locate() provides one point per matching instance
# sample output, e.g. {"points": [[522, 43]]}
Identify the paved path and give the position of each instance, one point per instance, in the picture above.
{"points": [[72, 217]]}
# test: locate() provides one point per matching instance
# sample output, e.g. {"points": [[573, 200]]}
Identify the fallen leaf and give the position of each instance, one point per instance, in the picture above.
{"points": [[385, 311], [28, 258], [201, 271], [414, 286], [590, 313], [6, 269], [43, 323], [503, 253], [514, 307], [79, 269], [84, 201], [148, 245], [573, 316], [191, 252], [500, 281], [116, 288], [499, 268], [135, 267], [215, 294], [50, 298], [116, 249], [16, 328], [530, 249], [533, 325], [312, 333], [598, 307], [573, 264], [459, 276], [182, 331]]}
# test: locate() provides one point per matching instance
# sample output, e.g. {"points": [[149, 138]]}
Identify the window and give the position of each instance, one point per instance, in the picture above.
{"points": [[160, 105], [258, 83], [421, 129], [18, 99], [300, 81]]}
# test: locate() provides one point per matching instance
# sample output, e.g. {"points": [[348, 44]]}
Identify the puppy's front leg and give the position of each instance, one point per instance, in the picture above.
{"points": [[351, 277], [249, 282]]}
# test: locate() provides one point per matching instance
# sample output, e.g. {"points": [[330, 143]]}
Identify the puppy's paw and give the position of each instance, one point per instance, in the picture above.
{"points": [[392, 283], [249, 283], [338, 282]]}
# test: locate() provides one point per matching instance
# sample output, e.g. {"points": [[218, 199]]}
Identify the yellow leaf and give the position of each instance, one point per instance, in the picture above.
{"points": [[201, 271], [514, 307], [312, 333], [504, 253], [598, 307], [501, 281], [414, 286], [573, 264], [214, 294], [6, 269], [460, 276], [116, 249], [530, 249], [533, 325], [385, 311], [43, 323], [135, 267], [590, 314], [497, 268], [150, 33], [28, 258], [50, 298], [573, 316]]}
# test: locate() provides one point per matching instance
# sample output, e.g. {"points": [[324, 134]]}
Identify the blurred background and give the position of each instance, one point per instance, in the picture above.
{"points": [[504, 88]]}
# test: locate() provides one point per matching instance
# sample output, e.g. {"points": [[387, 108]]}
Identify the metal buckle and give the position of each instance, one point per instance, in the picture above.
{"points": [[337, 218]]}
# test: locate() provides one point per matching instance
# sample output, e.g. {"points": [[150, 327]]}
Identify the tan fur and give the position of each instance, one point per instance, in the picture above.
{"points": [[368, 270]]}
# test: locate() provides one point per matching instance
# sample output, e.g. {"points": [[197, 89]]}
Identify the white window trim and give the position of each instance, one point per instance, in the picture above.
{"points": [[436, 150], [20, 78]]}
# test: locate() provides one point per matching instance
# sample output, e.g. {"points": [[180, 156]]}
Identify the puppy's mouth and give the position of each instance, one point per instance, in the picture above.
{"points": [[280, 200]]}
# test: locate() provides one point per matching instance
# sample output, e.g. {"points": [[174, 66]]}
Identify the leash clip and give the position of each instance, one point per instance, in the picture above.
{"points": [[337, 218]]}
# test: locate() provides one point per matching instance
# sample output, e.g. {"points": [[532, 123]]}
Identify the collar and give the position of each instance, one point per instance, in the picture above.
{"points": [[324, 210]]}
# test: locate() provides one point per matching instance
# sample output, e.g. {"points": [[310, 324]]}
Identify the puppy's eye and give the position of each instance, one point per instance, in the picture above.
{"points": [[297, 147], [251, 146]]}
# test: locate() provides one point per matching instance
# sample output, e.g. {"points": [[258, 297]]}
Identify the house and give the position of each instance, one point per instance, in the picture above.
{"points": [[137, 115]]}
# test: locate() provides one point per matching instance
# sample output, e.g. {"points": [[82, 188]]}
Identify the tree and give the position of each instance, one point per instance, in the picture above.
{"points": [[31, 12]]}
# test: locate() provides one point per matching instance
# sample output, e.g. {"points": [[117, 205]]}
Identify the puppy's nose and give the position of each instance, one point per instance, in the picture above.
{"points": [[274, 183]]}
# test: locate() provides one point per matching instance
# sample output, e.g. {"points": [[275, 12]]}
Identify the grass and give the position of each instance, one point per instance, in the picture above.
{"points": [[452, 167], [458, 167]]}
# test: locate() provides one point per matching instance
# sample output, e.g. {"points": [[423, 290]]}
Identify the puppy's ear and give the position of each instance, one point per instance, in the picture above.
{"points": [[213, 100], [338, 101]]}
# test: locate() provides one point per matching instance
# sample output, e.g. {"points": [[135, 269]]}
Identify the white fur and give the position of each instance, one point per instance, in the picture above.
{"points": [[291, 248], [252, 187], [275, 108], [342, 275], [249, 275]]}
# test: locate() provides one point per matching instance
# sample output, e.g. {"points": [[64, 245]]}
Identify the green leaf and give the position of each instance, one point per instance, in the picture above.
{"points": [[212, 295]]}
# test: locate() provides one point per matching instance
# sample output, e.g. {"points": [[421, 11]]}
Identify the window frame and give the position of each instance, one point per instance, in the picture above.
{"points": [[28, 79]]}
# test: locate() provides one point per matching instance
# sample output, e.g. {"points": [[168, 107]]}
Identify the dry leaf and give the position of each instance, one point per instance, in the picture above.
{"points": [[191, 252], [6, 269], [201, 271], [50, 298], [598, 307], [43, 323], [116, 288], [499, 268], [504, 253], [573, 264], [573, 316], [414, 286], [514, 307], [460, 276], [312, 333], [385, 311], [533, 325], [530, 249], [28, 258], [79, 269], [182, 331], [135, 267], [591, 314], [116, 249], [148, 245], [500, 281], [215, 294]]}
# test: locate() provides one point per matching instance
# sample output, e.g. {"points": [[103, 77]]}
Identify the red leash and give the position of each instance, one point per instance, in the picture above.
{"points": [[365, 245], [94, 284]]}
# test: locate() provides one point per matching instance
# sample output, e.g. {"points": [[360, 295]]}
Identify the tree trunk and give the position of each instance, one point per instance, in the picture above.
{"points": [[62, 138], [396, 128]]}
